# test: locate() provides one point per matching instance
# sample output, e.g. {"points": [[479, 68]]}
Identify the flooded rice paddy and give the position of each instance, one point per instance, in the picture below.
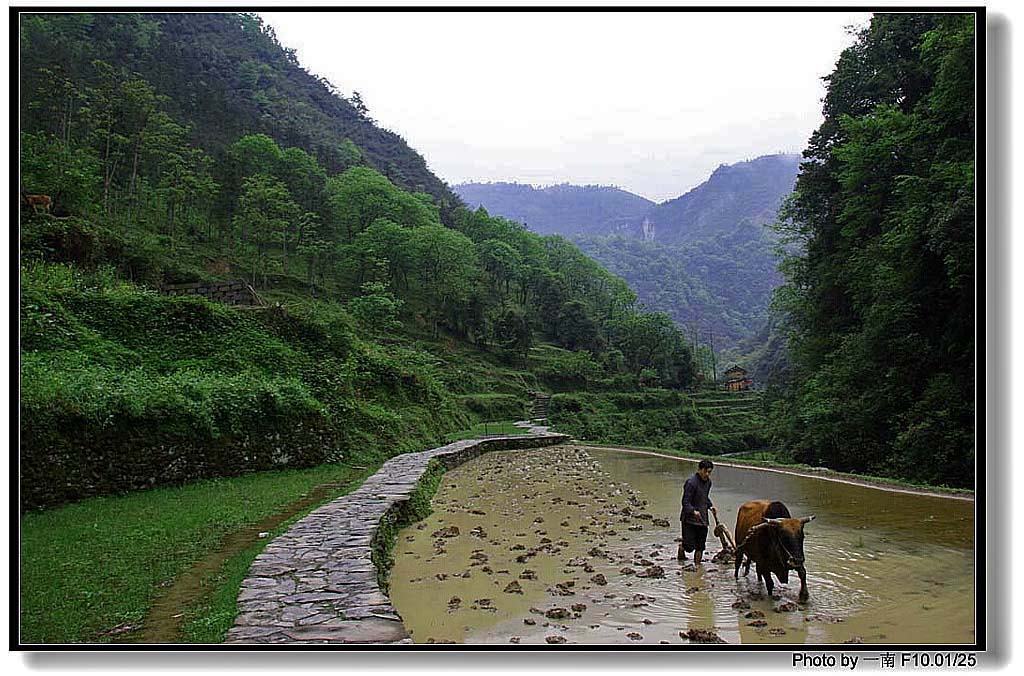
{"points": [[578, 545]]}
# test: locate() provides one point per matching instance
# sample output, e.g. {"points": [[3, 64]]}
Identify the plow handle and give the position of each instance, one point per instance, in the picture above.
{"points": [[725, 534]]}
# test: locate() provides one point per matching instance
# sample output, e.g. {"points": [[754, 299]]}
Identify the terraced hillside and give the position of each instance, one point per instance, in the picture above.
{"points": [[737, 418], [710, 422]]}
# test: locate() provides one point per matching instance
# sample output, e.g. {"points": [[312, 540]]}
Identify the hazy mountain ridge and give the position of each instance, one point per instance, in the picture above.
{"points": [[562, 209], [748, 192], [704, 258], [744, 192]]}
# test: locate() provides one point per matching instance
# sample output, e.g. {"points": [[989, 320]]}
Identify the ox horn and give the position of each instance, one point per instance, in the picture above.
{"points": [[807, 519], [774, 522]]}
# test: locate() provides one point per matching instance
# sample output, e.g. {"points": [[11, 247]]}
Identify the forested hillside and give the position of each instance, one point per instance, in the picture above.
{"points": [[880, 306], [222, 75], [706, 258], [719, 287], [393, 315], [735, 195]]}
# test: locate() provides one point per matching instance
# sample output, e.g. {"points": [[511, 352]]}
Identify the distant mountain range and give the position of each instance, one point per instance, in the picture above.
{"points": [[735, 194], [704, 258], [568, 210]]}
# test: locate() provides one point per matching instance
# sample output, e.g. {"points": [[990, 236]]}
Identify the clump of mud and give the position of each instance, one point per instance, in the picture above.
{"points": [[702, 636]]}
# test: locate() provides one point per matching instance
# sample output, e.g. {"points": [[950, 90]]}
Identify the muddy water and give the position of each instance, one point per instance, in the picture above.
{"points": [[566, 544]]}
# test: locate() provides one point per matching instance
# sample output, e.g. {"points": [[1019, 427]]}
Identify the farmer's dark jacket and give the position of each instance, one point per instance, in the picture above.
{"points": [[696, 496]]}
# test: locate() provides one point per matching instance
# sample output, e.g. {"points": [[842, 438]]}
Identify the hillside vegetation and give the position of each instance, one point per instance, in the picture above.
{"points": [[704, 423], [395, 317], [735, 195], [879, 303], [719, 289], [221, 76], [706, 258]]}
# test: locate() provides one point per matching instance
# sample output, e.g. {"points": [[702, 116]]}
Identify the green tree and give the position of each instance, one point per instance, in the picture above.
{"points": [[501, 261], [265, 212], [55, 104], [69, 174], [880, 295], [249, 155], [348, 154], [186, 187], [104, 113], [360, 196], [384, 248], [446, 265], [511, 334], [255, 154], [376, 307], [303, 176], [314, 248], [576, 329], [652, 341]]}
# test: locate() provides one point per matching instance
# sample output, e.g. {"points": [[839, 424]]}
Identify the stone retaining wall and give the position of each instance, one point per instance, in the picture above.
{"points": [[316, 583], [235, 292]]}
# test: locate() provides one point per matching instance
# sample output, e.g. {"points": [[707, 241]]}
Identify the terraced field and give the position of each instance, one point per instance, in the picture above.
{"points": [[712, 422]]}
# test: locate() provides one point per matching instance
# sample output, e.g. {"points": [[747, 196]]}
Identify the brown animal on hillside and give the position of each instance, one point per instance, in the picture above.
{"points": [[36, 201], [773, 540]]}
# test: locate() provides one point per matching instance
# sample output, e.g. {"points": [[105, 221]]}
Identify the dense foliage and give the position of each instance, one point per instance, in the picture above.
{"points": [[881, 304], [705, 258], [125, 388], [223, 76], [107, 144], [718, 288], [122, 388]]}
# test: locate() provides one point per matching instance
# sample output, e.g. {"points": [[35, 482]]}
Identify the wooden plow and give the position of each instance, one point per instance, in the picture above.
{"points": [[728, 552]]}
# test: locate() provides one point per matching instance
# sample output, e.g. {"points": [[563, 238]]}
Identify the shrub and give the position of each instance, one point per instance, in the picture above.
{"points": [[123, 388], [565, 370], [137, 255], [494, 406], [377, 308]]}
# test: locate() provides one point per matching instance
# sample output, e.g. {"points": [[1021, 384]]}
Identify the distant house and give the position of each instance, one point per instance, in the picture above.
{"points": [[736, 379]]}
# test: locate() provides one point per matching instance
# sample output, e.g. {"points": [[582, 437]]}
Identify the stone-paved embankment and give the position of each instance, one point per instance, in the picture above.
{"points": [[316, 583], [236, 292]]}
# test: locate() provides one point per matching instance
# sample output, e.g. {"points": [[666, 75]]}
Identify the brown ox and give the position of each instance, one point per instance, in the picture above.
{"points": [[773, 540]]}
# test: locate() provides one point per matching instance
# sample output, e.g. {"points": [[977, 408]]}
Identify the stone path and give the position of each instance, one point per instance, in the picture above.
{"points": [[316, 582], [539, 409]]}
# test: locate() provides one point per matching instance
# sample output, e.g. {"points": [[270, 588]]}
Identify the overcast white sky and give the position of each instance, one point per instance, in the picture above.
{"points": [[651, 102]]}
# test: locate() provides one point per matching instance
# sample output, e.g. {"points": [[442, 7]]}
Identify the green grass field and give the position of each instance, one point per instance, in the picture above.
{"points": [[91, 570]]}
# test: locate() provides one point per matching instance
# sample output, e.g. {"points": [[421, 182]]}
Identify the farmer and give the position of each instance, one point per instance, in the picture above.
{"points": [[696, 503]]}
